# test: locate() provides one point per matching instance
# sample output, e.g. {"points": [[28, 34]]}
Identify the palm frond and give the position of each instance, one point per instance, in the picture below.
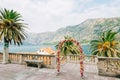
{"points": [[13, 28]]}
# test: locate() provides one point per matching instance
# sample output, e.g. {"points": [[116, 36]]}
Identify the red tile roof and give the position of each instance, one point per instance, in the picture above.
{"points": [[49, 50]]}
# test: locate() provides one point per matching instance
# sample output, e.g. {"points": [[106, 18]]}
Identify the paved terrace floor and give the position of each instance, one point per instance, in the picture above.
{"points": [[69, 71]]}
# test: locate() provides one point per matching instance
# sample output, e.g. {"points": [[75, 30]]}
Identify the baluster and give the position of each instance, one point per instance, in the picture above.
{"points": [[29, 57], [38, 58], [49, 60], [42, 57], [18, 58], [15, 57], [75, 58], [26, 57], [70, 58], [11, 57], [45, 59], [33, 57], [53, 61]]}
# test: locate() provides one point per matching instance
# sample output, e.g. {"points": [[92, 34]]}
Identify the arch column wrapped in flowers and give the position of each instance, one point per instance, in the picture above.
{"points": [[81, 55]]}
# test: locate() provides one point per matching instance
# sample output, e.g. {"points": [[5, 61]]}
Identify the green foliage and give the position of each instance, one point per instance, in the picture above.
{"points": [[106, 45], [11, 27], [68, 47]]}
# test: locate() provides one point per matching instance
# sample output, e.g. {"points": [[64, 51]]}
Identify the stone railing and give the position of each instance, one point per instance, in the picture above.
{"points": [[1, 57], [90, 59], [63, 60], [87, 59], [49, 60], [73, 58], [109, 66]]}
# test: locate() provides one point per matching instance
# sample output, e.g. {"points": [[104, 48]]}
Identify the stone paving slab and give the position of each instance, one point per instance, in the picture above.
{"points": [[69, 71]]}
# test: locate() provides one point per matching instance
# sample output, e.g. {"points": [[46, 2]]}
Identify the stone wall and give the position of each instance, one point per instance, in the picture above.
{"points": [[109, 66]]}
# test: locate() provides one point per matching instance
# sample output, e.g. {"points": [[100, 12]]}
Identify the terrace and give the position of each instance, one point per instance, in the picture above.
{"points": [[70, 70]]}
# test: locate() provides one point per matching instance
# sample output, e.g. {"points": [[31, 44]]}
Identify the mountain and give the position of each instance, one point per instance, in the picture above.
{"points": [[83, 32]]}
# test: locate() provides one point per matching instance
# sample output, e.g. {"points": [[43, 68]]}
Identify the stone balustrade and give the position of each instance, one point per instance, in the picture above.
{"points": [[1, 57], [49, 60], [106, 66], [109, 66], [87, 58]]}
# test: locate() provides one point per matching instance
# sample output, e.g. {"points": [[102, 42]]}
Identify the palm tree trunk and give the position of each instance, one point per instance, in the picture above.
{"points": [[5, 52]]}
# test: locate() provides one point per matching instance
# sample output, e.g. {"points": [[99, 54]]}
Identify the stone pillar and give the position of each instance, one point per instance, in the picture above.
{"points": [[68, 58], [53, 62], [21, 59], [96, 59], [5, 55]]}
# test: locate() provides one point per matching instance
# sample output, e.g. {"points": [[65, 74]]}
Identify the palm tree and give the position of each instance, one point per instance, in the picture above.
{"points": [[68, 47], [106, 45], [11, 30]]}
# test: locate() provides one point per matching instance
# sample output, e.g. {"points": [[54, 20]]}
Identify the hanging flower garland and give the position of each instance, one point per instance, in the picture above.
{"points": [[81, 55]]}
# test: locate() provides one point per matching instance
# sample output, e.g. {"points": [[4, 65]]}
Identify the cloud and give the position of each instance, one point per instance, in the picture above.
{"points": [[49, 15]]}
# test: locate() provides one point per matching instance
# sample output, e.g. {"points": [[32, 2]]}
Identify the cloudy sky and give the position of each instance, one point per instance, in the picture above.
{"points": [[49, 15]]}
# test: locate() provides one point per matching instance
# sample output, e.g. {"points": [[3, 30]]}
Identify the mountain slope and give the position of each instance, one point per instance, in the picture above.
{"points": [[83, 32]]}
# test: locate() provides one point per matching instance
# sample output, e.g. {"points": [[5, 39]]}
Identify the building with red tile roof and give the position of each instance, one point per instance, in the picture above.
{"points": [[46, 51]]}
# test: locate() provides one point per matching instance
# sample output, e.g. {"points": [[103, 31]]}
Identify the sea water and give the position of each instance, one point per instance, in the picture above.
{"points": [[34, 48]]}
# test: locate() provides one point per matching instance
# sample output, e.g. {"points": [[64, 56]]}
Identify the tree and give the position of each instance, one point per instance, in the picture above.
{"points": [[12, 30], [106, 45], [68, 47]]}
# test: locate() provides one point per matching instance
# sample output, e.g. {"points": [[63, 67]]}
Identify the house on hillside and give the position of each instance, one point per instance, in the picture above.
{"points": [[47, 51]]}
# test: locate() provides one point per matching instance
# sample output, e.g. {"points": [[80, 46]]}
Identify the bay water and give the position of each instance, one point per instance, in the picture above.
{"points": [[34, 48]]}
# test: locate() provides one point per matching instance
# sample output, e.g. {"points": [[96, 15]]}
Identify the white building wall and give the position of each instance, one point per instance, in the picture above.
{"points": [[42, 52]]}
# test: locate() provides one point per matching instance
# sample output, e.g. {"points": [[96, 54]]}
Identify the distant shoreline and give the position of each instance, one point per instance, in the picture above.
{"points": [[85, 44], [34, 48]]}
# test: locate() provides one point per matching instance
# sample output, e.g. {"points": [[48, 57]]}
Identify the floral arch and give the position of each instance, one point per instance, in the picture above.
{"points": [[81, 55]]}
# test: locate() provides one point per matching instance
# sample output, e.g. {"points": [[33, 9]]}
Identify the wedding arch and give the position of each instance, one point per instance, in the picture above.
{"points": [[81, 55]]}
